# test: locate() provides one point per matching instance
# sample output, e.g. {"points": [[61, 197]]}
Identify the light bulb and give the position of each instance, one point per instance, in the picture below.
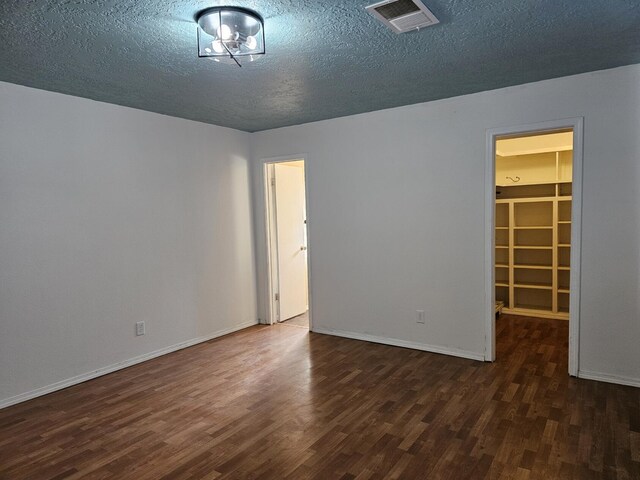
{"points": [[224, 32], [217, 46], [252, 43]]}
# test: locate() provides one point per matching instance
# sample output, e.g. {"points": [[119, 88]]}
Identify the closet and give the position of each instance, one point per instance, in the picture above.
{"points": [[533, 225]]}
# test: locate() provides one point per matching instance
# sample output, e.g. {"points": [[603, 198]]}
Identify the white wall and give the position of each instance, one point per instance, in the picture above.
{"points": [[108, 216], [396, 216]]}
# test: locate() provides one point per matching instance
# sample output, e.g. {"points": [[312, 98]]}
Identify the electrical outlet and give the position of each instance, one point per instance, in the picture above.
{"points": [[139, 328], [420, 316]]}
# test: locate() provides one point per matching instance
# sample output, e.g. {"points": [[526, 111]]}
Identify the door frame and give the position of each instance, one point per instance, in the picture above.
{"points": [[273, 307], [577, 125]]}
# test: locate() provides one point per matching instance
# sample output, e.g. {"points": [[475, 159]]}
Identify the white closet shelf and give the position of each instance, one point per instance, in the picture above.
{"points": [[502, 228], [533, 247], [502, 265], [563, 290], [536, 286], [502, 284], [566, 245], [531, 308], [535, 227], [561, 267], [502, 246], [534, 267], [527, 184], [564, 222], [538, 311]]}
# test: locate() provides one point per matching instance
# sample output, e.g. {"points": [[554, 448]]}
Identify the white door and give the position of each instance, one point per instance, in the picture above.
{"points": [[291, 235]]}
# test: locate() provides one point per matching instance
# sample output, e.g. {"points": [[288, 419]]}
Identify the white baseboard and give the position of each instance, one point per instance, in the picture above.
{"points": [[401, 343], [605, 377], [118, 366]]}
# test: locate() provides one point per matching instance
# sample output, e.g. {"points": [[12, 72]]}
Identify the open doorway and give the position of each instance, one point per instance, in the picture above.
{"points": [[287, 242], [534, 228]]}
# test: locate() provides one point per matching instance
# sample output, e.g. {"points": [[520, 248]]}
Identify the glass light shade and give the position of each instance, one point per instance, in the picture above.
{"points": [[229, 32]]}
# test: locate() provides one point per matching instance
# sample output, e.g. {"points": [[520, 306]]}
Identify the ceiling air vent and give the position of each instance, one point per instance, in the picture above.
{"points": [[402, 15]]}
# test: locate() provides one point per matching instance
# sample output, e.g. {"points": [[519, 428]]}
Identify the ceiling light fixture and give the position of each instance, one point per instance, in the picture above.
{"points": [[226, 34]]}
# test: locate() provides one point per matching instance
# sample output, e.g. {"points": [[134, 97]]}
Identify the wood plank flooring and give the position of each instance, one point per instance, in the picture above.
{"points": [[278, 402], [299, 321]]}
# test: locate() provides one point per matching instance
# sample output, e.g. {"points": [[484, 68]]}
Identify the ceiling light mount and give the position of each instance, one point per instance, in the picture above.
{"points": [[228, 34]]}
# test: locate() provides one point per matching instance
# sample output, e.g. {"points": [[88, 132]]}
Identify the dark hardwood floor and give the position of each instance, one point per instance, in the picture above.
{"points": [[278, 402]]}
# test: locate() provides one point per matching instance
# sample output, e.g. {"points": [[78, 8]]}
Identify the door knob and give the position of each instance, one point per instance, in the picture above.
{"points": [[303, 248]]}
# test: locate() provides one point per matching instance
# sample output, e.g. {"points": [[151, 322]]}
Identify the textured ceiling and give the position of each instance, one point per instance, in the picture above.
{"points": [[325, 58]]}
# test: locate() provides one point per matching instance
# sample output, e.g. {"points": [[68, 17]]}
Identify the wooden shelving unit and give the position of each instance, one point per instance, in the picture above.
{"points": [[533, 236]]}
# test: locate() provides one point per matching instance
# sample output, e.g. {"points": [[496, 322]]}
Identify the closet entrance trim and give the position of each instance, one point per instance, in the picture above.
{"points": [[576, 125]]}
